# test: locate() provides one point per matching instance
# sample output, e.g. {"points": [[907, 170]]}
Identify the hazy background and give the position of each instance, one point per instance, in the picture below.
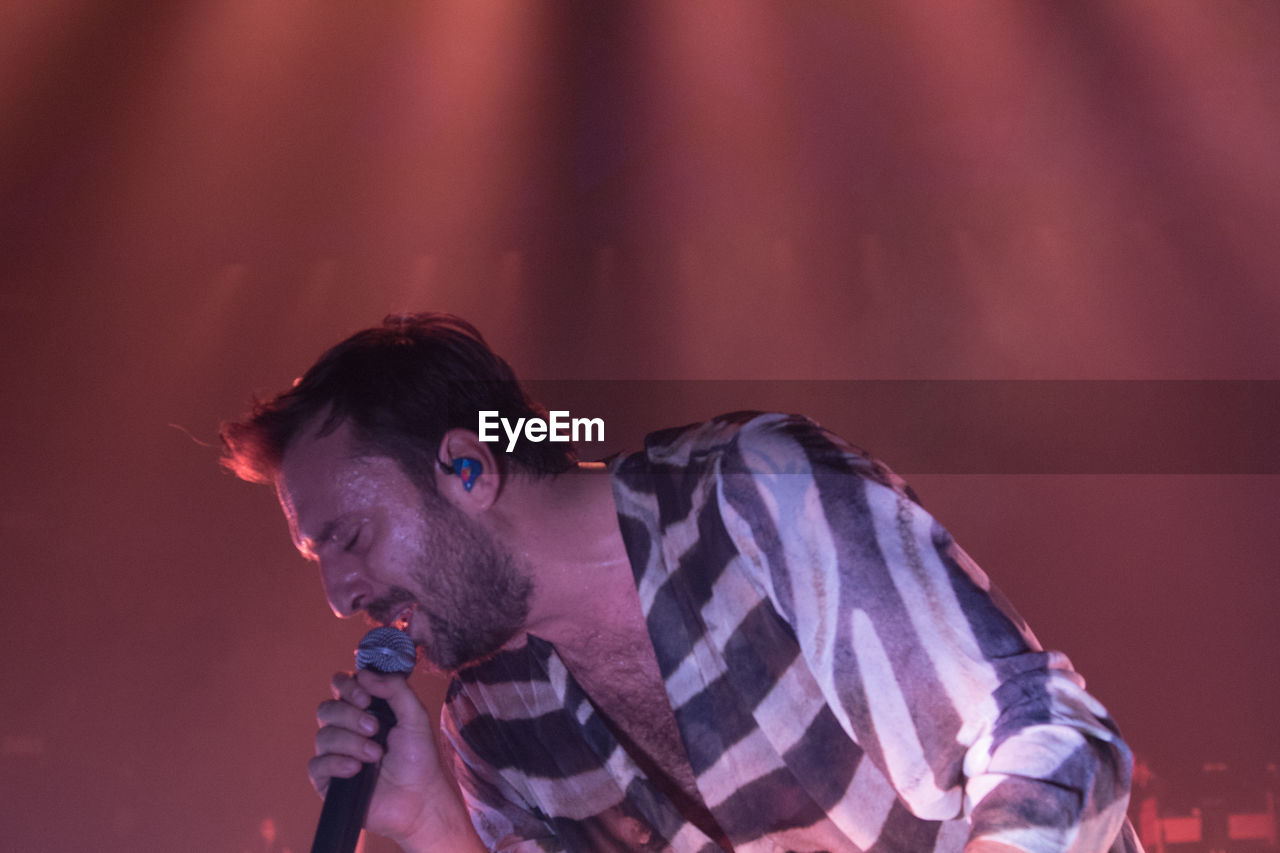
{"points": [[198, 197]]}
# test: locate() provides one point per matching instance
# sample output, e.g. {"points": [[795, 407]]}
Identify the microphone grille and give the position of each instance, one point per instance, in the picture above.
{"points": [[386, 650]]}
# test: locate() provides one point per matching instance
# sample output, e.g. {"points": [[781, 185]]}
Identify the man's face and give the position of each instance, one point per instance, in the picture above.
{"points": [[403, 556]]}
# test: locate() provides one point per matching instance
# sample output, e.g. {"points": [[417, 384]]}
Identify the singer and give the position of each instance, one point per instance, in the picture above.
{"points": [[747, 636]]}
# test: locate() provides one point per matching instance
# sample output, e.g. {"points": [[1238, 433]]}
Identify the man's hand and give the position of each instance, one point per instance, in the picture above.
{"points": [[412, 800]]}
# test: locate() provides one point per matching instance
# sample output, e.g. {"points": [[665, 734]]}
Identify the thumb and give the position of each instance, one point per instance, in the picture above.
{"points": [[403, 701]]}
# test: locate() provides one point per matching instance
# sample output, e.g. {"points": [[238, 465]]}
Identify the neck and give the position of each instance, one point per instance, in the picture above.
{"points": [[565, 530]]}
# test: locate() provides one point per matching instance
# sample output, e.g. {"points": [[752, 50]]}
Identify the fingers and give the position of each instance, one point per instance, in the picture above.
{"points": [[357, 688], [346, 688], [345, 730], [342, 713], [324, 768], [343, 741], [395, 689]]}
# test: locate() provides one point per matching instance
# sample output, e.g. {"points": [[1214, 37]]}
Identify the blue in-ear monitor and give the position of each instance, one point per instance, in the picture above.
{"points": [[468, 470]]}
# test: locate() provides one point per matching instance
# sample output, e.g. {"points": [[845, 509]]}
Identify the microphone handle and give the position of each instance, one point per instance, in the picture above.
{"points": [[347, 800]]}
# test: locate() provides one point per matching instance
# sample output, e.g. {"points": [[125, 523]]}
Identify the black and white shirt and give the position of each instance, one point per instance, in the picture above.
{"points": [[843, 676]]}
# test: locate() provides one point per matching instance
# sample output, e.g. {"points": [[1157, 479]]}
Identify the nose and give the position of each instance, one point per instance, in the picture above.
{"points": [[344, 587]]}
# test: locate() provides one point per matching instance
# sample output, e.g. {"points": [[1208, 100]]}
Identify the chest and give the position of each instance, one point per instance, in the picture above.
{"points": [[633, 700], [627, 690]]}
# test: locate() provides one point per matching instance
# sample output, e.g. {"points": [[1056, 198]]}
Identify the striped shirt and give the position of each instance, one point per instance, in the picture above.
{"points": [[843, 676]]}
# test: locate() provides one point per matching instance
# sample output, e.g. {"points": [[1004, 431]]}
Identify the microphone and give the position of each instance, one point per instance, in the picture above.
{"points": [[346, 802]]}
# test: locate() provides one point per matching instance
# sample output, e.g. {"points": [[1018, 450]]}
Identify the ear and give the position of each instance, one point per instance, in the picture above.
{"points": [[459, 444]]}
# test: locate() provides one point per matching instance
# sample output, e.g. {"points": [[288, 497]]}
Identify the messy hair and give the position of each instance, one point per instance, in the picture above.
{"points": [[401, 385]]}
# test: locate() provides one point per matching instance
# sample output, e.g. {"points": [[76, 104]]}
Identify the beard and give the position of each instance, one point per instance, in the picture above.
{"points": [[468, 589]]}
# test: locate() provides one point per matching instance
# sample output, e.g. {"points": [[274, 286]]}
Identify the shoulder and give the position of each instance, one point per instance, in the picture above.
{"points": [[752, 442], [684, 445], [693, 443], [681, 469], [763, 443]]}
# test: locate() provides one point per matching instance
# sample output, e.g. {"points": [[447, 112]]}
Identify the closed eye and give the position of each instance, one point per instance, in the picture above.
{"points": [[344, 532]]}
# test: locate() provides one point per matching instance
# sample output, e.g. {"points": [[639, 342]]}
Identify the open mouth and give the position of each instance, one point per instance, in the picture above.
{"points": [[403, 618]]}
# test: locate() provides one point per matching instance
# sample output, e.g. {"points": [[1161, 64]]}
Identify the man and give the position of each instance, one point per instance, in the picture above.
{"points": [[747, 637]]}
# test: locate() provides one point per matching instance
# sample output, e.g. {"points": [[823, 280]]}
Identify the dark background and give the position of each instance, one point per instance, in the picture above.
{"points": [[952, 200]]}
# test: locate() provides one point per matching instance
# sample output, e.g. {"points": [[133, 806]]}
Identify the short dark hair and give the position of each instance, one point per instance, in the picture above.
{"points": [[402, 385]]}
